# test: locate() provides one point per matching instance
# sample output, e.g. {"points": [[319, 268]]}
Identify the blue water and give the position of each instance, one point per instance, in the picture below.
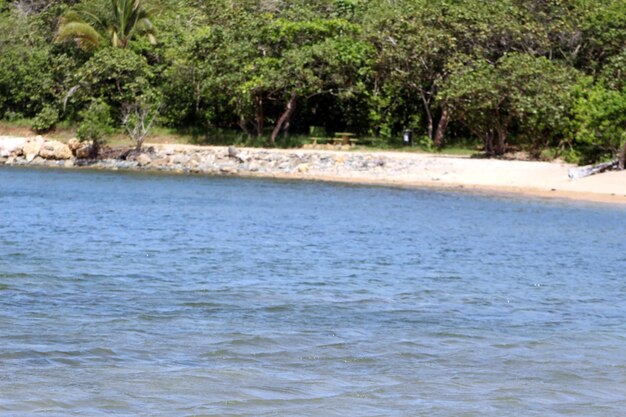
{"points": [[151, 295]]}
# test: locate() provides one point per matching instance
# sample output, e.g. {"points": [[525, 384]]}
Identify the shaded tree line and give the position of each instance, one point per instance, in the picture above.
{"points": [[523, 74]]}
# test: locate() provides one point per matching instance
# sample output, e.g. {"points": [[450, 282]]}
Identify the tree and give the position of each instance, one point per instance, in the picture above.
{"points": [[600, 123], [262, 67], [417, 40], [518, 92], [114, 75], [109, 22], [139, 116]]}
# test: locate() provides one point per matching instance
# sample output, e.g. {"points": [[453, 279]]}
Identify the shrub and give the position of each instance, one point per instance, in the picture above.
{"points": [[96, 122], [46, 119]]}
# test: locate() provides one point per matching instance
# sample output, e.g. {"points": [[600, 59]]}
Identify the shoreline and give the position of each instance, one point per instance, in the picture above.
{"points": [[381, 168]]}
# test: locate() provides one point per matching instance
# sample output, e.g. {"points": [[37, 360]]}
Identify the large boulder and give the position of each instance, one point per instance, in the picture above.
{"points": [[84, 150], [74, 144], [32, 147], [53, 149], [11, 146]]}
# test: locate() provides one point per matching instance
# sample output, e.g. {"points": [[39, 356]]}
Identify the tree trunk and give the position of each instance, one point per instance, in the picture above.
{"points": [[428, 115], [489, 142], [441, 128], [622, 157], [501, 145], [284, 118], [259, 119], [242, 125]]}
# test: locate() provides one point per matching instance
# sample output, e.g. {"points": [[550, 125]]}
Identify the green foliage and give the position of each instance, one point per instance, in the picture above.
{"points": [[519, 92], [503, 71], [113, 75], [96, 122], [599, 123], [46, 119], [98, 23]]}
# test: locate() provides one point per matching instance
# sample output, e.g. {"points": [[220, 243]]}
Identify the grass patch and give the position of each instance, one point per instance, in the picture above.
{"points": [[224, 137]]}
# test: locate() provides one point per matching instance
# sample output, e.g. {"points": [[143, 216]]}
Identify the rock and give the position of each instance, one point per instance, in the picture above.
{"points": [[159, 162], [143, 159], [32, 147], [303, 168], [285, 166], [10, 160], [243, 156], [85, 151], [228, 170], [10, 146], [53, 149], [179, 159], [74, 144], [69, 163]]}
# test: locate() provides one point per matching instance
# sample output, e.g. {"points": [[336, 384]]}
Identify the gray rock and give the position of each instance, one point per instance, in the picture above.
{"points": [[253, 167], [179, 159]]}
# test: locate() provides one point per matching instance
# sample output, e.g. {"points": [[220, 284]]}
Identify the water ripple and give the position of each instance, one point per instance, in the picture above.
{"points": [[147, 295]]}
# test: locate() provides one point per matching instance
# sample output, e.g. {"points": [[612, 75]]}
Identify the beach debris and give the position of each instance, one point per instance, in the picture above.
{"points": [[581, 172]]}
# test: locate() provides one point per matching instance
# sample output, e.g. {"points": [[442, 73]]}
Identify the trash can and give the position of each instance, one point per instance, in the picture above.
{"points": [[407, 138]]}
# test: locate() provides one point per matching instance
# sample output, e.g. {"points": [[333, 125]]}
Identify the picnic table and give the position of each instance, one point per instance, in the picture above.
{"points": [[344, 138], [316, 140]]}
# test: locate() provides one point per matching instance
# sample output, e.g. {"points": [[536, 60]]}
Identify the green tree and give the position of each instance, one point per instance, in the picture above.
{"points": [[517, 93], [600, 123]]}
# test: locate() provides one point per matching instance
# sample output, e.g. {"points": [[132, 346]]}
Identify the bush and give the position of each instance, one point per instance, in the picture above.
{"points": [[96, 123], [46, 119]]}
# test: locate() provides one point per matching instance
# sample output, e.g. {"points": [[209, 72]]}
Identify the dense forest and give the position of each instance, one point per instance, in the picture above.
{"points": [[505, 74]]}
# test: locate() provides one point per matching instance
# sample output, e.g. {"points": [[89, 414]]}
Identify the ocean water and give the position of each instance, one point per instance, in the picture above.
{"points": [[152, 295]]}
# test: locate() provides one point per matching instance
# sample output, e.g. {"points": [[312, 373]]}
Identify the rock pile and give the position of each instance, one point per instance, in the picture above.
{"points": [[202, 160]]}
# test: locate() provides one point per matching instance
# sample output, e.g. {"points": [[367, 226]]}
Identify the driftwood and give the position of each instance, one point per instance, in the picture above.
{"points": [[581, 172]]}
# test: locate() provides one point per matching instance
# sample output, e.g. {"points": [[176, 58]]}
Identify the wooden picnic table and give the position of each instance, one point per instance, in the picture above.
{"points": [[316, 140], [343, 138]]}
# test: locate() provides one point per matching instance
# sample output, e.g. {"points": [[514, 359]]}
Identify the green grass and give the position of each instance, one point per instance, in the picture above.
{"points": [[224, 137]]}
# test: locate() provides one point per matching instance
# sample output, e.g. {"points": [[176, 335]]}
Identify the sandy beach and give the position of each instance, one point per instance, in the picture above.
{"points": [[399, 169], [533, 178]]}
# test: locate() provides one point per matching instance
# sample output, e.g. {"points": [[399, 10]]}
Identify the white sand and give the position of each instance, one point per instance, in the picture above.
{"points": [[545, 179]]}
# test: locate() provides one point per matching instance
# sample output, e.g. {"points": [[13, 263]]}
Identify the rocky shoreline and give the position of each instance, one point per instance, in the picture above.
{"points": [[216, 160]]}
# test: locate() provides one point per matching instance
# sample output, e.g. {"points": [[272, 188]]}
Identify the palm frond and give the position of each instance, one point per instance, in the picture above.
{"points": [[83, 33], [118, 22]]}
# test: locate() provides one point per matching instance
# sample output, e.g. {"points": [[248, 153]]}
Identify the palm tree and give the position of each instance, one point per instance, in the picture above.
{"points": [[116, 23]]}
